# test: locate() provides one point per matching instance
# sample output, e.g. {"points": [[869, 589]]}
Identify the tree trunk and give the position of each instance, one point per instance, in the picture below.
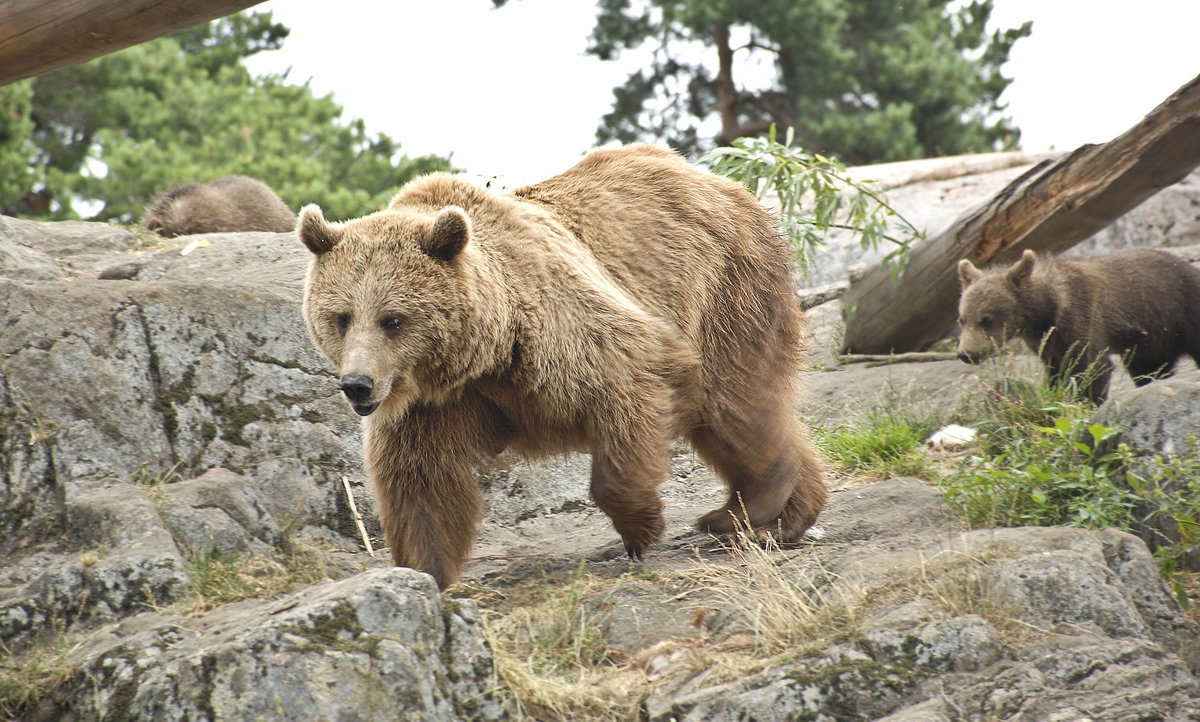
{"points": [[38, 36], [1051, 208], [727, 100]]}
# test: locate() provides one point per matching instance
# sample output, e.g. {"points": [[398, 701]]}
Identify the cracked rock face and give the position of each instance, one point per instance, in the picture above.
{"points": [[110, 387]]}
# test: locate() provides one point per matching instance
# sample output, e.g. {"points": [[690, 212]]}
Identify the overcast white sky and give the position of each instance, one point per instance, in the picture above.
{"points": [[513, 95]]}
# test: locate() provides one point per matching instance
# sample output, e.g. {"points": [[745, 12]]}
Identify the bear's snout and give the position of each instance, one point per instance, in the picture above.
{"points": [[968, 357], [358, 390]]}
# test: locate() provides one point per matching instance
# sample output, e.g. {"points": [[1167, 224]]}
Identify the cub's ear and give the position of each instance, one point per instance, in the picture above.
{"points": [[968, 273], [449, 235], [1020, 271], [315, 232]]}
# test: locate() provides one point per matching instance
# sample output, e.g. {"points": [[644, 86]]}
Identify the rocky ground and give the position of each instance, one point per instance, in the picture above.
{"points": [[163, 414]]}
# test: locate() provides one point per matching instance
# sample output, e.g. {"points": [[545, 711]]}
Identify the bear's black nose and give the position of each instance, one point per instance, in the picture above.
{"points": [[962, 356], [357, 388]]}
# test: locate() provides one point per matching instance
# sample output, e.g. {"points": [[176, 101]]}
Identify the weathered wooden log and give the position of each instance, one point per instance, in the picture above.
{"points": [[38, 36], [1050, 208]]}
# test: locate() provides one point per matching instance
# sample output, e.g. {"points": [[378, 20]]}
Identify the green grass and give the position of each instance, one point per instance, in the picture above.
{"points": [[886, 445]]}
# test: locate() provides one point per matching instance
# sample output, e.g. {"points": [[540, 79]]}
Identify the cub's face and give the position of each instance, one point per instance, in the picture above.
{"points": [[990, 310], [383, 302]]}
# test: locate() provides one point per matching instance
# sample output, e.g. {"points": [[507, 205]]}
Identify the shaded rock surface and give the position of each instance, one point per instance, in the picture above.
{"points": [[157, 408]]}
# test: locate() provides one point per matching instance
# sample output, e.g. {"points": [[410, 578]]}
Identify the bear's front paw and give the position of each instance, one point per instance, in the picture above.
{"points": [[639, 537]]}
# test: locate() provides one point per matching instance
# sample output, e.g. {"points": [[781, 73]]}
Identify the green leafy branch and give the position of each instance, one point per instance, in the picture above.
{"points": [[815, 194]]}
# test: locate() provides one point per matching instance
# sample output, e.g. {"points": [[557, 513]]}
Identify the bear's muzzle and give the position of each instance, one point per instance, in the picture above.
{"points": [[357, 389]]}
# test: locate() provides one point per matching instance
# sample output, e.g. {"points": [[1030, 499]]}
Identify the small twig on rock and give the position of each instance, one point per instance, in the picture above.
{"points": [[362, 529], [885, 359]]}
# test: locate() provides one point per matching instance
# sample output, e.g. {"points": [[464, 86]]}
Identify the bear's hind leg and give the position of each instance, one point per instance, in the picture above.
{"points": [[774, 476]]}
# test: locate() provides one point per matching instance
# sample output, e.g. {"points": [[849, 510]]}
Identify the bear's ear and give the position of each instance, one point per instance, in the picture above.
{"points": [[968, 273], [449, 235], [315, 232], [1020, 271]]}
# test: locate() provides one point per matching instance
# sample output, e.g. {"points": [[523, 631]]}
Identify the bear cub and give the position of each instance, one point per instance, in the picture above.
{"points": [[229, 204], [630, 300], [1141, 304]]}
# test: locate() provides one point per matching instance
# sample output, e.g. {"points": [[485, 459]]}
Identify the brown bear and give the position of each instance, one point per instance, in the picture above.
{"points": [[1142, 304], [629, 300], [232, 203]]}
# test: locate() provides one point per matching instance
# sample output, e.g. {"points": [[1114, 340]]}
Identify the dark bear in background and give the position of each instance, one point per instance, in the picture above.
{"points": [[1141, 304], [232, 203]]}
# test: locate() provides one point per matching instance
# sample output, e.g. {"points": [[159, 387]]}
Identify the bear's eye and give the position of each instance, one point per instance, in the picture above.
{"points": [[985, 323], [392, 324], [341, 322]]}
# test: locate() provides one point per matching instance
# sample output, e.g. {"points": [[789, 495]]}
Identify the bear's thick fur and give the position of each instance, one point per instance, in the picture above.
{"points": [[627, 301], [232, 203], [1142, 304]]}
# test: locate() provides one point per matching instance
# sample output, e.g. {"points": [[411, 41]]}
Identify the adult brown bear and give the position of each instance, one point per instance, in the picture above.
{"points": [[629, 300]]}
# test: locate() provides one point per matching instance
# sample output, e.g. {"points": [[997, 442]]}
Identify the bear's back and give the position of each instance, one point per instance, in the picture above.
{"points": [[1139, 284], [231, 203], [680, 240], [691, 247]]}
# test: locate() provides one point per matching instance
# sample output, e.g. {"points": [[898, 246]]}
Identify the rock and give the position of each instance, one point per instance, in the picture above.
{"points": [[124, 562], [1063, 590], [962, 644], [1161, 419], [382, 644], [1081, 616], [218, 511], [111, 388], [841, 395], [45, 251]]}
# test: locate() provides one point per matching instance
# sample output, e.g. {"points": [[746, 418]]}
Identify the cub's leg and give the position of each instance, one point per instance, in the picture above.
{"points": [[423, 467], [1143, 369], [1090, 370], [775, 478]]}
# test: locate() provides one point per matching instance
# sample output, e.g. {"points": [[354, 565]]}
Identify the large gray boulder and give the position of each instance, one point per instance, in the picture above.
{"points": [[112, 389], [1160, 424], [379, 645]]}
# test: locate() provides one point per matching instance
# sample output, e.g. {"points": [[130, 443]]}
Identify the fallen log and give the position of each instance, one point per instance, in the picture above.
{"points": [[38, 36], [1050, 208]]}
